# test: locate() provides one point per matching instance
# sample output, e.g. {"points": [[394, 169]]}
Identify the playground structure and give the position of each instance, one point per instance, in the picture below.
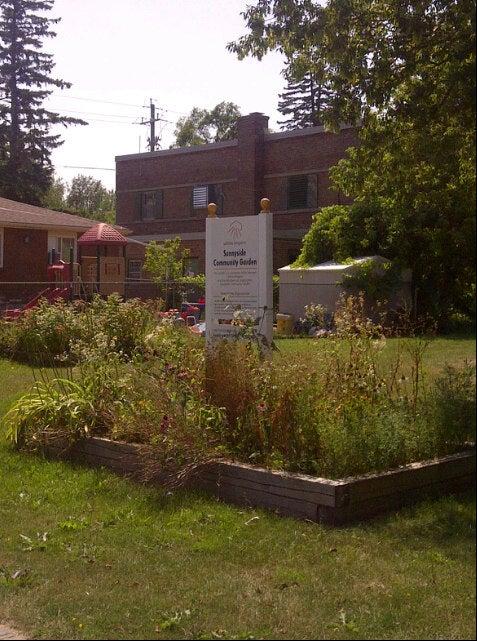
{"points": [[102, 258], [100, 269]]}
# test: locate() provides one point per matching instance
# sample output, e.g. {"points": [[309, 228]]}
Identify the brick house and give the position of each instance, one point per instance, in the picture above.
{"points": [[27, 235], [164, 194]]}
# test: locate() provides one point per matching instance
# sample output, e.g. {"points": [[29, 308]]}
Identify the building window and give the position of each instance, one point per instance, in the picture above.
{"points": [[63, 248], [151, 205], [1, 247], [302, 192], [297, 192], [191, 266], [202, 195], [135, 269]]}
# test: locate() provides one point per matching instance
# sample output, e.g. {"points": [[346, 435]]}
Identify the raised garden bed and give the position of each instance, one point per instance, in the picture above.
{"points": [[333, 502]]}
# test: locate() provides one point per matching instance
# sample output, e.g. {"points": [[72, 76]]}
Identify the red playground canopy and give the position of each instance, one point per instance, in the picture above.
{"points": [[102, 234]]}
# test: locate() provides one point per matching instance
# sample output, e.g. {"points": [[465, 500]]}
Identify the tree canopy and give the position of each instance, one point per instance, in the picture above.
{"points": [[85, 196], [26, 139], [303, 101], [404, 74], [202, 126], [90, 198]]}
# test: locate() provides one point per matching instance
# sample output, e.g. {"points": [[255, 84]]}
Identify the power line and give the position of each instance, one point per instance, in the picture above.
{"points": [[81, 167], [108, 102], [96, 113], [111, 122]]}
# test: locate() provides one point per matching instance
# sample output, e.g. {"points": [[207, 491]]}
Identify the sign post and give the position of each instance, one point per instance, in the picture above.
{"points": [[238, 274]]}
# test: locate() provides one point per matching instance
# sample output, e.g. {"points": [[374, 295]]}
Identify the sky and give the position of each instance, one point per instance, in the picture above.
{"points": [[129, 51]]}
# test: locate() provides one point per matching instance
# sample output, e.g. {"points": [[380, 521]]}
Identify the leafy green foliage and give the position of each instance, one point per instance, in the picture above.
{"points": [[51, 334], [88, 197], [55, 196], [344, 411], [377, 281], [165, 263], [85, 196], [26, 141], [405, 72], [201, 126]]}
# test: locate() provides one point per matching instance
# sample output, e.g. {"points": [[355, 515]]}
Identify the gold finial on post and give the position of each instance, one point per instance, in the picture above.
{"points": [[265, 205], [212, 209]]}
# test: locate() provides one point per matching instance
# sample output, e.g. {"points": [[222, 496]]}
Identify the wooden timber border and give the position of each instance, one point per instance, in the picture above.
{"points": [[333, 502]]}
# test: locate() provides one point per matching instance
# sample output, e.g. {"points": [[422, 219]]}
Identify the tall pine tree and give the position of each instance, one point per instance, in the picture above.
{"points": [[26, 140], [304, 100]]}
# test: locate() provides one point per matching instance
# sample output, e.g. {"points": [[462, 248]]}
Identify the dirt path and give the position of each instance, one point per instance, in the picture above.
{"points": [[9, 634]]}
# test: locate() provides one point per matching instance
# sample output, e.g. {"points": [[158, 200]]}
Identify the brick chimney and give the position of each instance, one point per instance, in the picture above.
{"points": [[251, 148]]}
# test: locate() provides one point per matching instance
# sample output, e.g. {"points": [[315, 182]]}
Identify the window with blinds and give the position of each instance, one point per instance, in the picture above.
{"points": [[202, 195]]}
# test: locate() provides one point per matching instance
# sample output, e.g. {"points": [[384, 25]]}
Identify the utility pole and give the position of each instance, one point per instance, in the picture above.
{"points": [[152, 125]]}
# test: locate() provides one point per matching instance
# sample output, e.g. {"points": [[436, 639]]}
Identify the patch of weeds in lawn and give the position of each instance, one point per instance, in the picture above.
{"points": [[73, 525], [223, 634], [172, 621], [287, 578], [38, 543], [85, 552], [14, 579], [348, 623]]}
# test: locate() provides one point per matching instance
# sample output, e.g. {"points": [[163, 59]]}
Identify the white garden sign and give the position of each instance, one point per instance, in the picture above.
{"points": [[238, 273]]}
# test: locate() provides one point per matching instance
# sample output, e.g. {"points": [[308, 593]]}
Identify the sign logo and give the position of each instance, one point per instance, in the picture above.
{"points": [[235, 229]]}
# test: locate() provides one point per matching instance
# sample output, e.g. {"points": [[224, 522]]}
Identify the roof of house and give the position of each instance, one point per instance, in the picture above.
{"points": [[15, 214], [102, 234]]}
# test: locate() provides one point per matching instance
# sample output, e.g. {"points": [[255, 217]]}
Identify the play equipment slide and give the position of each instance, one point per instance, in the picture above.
{"points": [[50, 294]]}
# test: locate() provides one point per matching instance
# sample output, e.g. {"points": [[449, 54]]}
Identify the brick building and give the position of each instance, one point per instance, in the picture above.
{"points": [[164, 194], [28, 236]]}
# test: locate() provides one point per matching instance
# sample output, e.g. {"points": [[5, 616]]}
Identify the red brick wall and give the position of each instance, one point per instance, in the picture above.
{"points": [[307, 152], [25, 257], [254, 166]]}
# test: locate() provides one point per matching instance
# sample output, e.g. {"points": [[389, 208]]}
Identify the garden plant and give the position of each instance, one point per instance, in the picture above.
{"points": [[138, 378]]}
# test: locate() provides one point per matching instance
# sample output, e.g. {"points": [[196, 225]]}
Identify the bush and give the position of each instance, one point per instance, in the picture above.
{"points": [[68, 331]]}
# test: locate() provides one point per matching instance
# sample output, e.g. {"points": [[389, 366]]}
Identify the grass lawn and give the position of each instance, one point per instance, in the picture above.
{"points": [[15, 379], [85, 555], [96, 556], [453, 350]]}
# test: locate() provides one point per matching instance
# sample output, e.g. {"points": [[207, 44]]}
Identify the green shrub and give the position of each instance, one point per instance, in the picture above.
{"points": [[64, 331], [83, 403], [377, 281], [44, 332]]}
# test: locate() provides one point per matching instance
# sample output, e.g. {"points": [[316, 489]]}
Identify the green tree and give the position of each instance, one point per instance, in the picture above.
{"points": [[90, 198], [405, 73], [165, 264], [201, 126], [55, 197], [303, 101], [26, 139]]}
